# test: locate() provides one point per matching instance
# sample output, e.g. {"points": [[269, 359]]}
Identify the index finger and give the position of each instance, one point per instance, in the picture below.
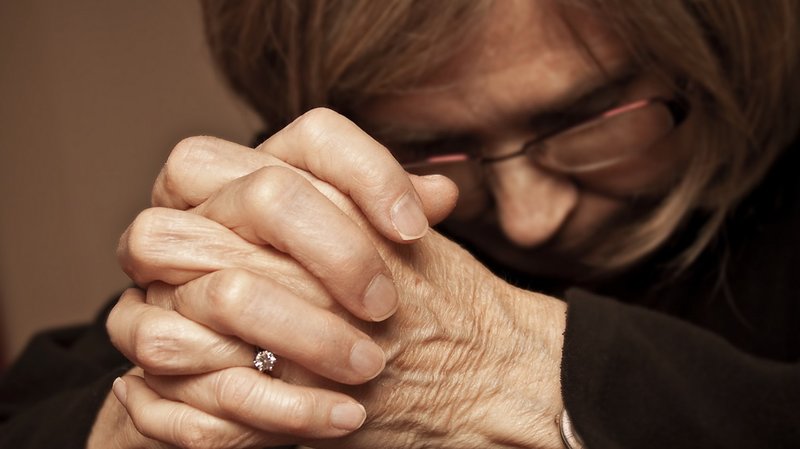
{"points": [[335, 150]]}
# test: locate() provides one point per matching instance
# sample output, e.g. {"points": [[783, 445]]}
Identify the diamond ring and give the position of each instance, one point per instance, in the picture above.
{"points": [[264, 361]]}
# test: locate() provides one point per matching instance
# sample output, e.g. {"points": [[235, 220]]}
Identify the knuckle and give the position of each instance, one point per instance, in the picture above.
{"points": [[235, 393], [157, 243], [298, 413], [271, 189], [350, 274], [136, 247], [116, 317], [141, 423], [226, 290], [325, 325], [182, 162], [193, 431], [314, 124], [356, 260], [318, 129], [156, 344], [111, 326]]}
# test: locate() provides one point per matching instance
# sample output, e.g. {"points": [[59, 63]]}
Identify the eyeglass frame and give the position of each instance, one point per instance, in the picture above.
{"points": [[677, 107]]}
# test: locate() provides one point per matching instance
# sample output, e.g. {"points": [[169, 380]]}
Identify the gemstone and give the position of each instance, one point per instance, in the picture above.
{"points": [[265, 361]]}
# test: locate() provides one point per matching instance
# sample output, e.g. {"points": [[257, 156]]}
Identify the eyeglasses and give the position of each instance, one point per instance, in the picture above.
{"points": [[601, 142]]}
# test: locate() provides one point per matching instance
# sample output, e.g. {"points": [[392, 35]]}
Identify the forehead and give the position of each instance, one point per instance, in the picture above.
{"points": [[527, 55]]}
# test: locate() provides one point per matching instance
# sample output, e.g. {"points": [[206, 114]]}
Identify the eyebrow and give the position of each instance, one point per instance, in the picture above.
{"points": [[582, 103], [587, 100]]}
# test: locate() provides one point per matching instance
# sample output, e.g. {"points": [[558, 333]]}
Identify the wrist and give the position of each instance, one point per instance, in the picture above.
{"points": [[527, 335]]}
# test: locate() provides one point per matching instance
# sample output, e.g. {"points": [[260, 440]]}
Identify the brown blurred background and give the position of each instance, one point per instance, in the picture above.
{"points": [[93, 95]]}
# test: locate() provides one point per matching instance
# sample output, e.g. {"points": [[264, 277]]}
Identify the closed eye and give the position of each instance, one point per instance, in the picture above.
{"points": [[412, 151]]}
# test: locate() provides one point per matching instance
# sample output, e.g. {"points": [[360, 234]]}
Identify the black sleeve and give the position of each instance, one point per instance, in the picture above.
{"points": [[634, 378], [50, 397]]}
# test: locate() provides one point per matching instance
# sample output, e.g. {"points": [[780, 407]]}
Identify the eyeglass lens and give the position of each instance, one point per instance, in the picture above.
{"points": [[594, 145]]}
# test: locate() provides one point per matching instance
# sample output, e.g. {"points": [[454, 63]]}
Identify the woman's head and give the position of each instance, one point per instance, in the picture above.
{"points": [[493, 76]]}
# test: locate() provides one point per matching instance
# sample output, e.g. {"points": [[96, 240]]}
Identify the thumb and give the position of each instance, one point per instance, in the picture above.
{"points": [[438, 194]]}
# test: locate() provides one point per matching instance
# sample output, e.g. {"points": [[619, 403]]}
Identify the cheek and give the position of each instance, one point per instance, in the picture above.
{"points": [[592, 212], [650, 174]]}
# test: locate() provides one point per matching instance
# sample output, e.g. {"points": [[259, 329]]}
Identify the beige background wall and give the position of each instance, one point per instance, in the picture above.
{"points": [[93, 94]]}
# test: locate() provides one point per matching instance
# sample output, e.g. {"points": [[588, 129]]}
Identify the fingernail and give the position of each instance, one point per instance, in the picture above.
{"points": [[380, 299], [348, 416], [120, 389], [408, 218], [367, 358]]}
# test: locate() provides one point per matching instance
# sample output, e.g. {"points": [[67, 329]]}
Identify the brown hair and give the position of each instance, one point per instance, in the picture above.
{"points": [[738, 59], [286, 57]]}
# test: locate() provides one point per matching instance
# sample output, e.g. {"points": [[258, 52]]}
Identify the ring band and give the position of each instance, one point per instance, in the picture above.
{"points": [[264, 360]]}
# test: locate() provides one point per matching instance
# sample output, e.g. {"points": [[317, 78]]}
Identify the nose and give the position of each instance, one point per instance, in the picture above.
{"points": [[532, 204]]}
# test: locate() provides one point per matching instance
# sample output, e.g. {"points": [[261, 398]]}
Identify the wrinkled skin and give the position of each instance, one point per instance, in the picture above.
{"points": [[237, 253], [469, 359]]}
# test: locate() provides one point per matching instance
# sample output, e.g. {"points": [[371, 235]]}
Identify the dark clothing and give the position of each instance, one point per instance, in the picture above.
{"points": [[49, 398], [719, 367], [710, 359]]}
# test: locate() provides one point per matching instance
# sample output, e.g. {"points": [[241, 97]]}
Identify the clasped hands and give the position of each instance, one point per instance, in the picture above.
{"points": [[316, 246]]}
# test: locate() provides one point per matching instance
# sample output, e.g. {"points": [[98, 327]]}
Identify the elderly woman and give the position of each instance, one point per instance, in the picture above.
{"points": [[636, 150]]}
